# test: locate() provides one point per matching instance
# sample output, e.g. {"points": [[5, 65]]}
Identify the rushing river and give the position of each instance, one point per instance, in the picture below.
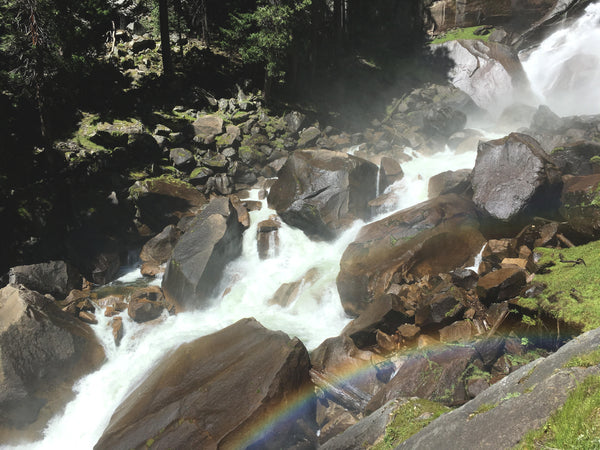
{"points": [[562, 72]]}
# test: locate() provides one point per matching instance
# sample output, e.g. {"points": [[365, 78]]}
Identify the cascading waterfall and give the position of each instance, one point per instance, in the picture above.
{"points": [[249, 282], [564, 70]]}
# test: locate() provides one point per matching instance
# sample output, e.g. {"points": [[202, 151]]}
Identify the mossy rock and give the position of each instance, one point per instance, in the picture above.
{"points": [[409, 418]]}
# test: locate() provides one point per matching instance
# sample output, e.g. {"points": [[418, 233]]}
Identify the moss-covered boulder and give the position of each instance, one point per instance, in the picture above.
{"points": [[568, 286]]}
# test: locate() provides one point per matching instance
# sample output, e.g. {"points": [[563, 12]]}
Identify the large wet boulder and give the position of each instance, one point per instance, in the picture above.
{"points": [[514, 178], [57, 278], [322, 191], [217, 392], [433, 237], [164, 200], [580, 204], [43, 351], [212, 239]]}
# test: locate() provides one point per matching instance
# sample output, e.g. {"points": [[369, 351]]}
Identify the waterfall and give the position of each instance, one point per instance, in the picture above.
{"points": [[561, 72], [564, 70]]}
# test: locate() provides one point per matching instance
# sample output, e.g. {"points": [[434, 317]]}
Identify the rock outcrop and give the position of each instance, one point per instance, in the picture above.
{"points": [[322, 191], [521, 402], [211, 240], [57, 278], [164, 200], [433, 237], [514, 178], [43, 351], [217, 392]]}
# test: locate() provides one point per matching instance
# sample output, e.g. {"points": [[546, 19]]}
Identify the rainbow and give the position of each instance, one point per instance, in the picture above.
{"points": [[295, 406]]}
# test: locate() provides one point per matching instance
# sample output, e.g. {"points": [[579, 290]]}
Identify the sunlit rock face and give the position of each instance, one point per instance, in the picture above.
{"points": [[43, 350], [217, 392], [489, 72], [433, 237], [447, 14], [513, 178]]}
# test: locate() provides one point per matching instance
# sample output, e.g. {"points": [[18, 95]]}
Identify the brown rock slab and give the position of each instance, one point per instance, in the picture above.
{"points": [[500, 285], [433, 237], [212, 239], [117, 330], [43, 351], [158, 249], [229, 382]]}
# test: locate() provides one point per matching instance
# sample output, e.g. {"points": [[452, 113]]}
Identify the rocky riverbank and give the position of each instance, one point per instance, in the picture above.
{"points": [[453, 300]]}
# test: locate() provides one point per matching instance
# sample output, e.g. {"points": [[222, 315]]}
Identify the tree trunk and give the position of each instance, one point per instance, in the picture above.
{"points": [[267, 87], [205, 31], [165, 42]]}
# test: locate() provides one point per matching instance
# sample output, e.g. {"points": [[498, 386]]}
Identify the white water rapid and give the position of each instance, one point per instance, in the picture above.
{"points": [[568, 61], [564, 71]]}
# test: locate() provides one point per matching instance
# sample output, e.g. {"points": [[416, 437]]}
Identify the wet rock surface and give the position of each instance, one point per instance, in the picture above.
{"points": [[219, 369], [435, 236], [322, 192], [513, 177], [212, 239], [43, 351]]}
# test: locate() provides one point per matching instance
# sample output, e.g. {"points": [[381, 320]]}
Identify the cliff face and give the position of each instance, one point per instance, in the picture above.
{"points": [[511, 14]]}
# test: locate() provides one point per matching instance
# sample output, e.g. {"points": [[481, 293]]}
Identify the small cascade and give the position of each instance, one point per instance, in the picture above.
{"points": [[564, 70], [477, 261]]}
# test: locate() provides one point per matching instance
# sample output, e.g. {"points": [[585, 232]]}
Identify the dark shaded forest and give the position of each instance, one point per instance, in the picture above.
{"points": [[340, 61]]}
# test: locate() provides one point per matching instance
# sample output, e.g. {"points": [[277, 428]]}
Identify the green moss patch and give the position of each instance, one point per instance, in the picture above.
{"points": [[575, 426], [460, 33], [408, 419], [587, 360], [483, 408], [572, 290]]}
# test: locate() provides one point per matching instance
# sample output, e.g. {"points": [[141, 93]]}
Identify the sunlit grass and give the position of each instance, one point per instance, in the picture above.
{"points": [[573, 290], [575, 426], [460, 33]]}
